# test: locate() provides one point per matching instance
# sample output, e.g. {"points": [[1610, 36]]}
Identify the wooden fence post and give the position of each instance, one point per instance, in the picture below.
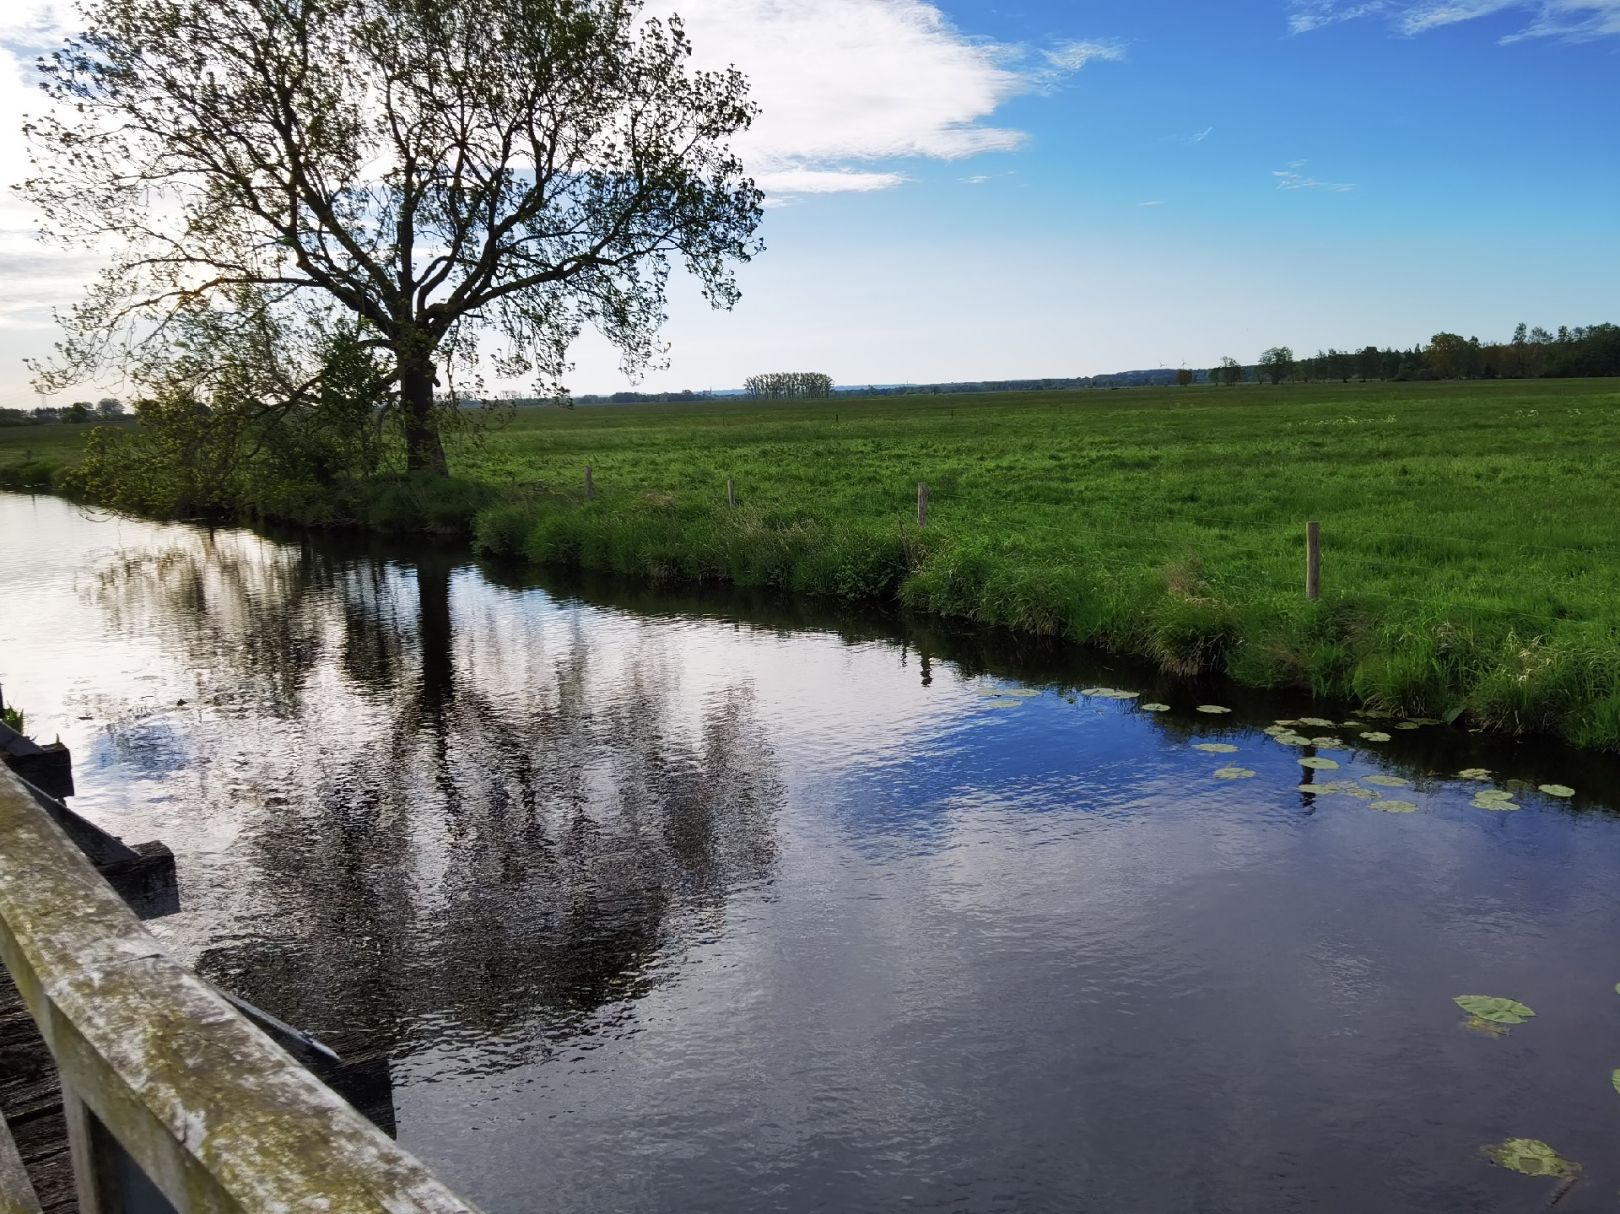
{"points": [[922, 503], [1313, 561], [731, 493], [588, 486]]}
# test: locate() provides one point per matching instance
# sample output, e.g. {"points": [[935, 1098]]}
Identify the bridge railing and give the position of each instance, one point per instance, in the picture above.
{"points": [[174, 1100]]}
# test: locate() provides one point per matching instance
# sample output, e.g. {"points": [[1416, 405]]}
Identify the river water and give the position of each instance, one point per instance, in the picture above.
{"points": [[708, 903]]}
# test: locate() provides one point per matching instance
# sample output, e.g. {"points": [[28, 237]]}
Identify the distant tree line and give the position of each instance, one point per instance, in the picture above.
{"points": [[788, 385], [79, 412], [1531, 353]]}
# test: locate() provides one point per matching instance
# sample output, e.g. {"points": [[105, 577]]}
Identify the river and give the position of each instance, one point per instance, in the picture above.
{"points": [[704, 902]]}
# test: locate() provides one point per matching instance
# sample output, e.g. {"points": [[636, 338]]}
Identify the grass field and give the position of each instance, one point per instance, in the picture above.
{"points": [[1471, 545]]}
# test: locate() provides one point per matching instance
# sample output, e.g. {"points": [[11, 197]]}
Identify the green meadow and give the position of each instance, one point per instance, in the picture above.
{"points": [[1470, 541]]}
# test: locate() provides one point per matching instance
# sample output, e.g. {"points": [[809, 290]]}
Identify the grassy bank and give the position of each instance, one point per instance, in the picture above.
{"points": [[1471, 557]]}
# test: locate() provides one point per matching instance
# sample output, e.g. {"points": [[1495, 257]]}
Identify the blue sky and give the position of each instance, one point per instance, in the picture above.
{"points": [[963, 190]]}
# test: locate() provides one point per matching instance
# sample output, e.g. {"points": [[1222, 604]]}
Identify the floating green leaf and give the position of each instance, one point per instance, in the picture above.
{"points": [[1393, 807], [1215, 708], [1292, 739], [1531, 1157], [1234, 773], [1022, 693], [1375, 735], [1329, 743], [1155, 707], [1388, 781], [1494, 1008], [1096, 691], [1475, 773], [1276, 730], [1496, 805], [1286, 724], [1004, 703], [1317, 722], [1319, 764], [1407, 725], [1344, 788], [1216, 748], [1615, 1079], [1557, 790]]}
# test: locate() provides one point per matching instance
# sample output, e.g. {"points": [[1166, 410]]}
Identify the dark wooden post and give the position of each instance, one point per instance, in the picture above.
{"points": [[588, 487], [922, 503], [731, 493], [1313, 561]]}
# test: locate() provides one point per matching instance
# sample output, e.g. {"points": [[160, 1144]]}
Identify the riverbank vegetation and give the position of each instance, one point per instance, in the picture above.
{"points": [[1471, 555]]}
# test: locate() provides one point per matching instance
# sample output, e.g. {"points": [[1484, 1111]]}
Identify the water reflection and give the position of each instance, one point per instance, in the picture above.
{"points": [[666, 900], [490, 850]]}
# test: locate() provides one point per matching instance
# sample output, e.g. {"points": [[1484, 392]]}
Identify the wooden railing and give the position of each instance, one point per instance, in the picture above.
{"points": [[174, 1100]]}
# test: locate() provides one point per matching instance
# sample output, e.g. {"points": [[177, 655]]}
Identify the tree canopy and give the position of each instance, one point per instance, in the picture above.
{"points": [[409, 177]]}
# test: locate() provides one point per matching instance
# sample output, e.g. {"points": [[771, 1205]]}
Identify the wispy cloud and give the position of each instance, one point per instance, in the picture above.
{"points": [[1571, 20], [1191, 137], [1157, 202], [1072, 56], [1292, 177], [907, 84]]}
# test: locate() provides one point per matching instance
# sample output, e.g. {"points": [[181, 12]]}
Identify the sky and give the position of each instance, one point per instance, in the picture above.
{"points": [[964, 191]]}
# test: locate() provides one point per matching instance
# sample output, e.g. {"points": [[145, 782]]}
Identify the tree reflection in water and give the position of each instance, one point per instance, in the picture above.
{"points": [[462, 834]]}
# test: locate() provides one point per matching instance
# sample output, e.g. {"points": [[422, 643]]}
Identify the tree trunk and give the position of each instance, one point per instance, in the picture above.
{"points": [[423, 450]]}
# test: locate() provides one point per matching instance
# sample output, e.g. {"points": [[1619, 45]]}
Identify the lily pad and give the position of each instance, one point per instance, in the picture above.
{"points": [[1407, 725], [1319, 764], [1375, 735], [1155, 707], [1022, 693], [1004, 703], [1615, 1079], [1097, 691], [1292, 739], [1343, 788], [1316, 722], [1214, 708], [1329, 743], [1286, 724], [1531, 1157], [1496, 805], [1234, 773], [1393, 807], [1475, 773], [1557, 790], [1216, 748], [1351, 725], [1388, 781], [1494, 1008], [1276, 730]]}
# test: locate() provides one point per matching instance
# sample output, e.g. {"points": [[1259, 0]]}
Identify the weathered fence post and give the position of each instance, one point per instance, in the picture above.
{"points": [[922, 503], [1313, 561], [588, 487], [731, 493]]}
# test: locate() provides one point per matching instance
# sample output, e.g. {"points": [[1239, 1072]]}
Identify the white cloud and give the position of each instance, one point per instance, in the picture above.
{"points": [[976, 179], [842, 84], [1157, 202], [1572, 20], [1289, 177]]}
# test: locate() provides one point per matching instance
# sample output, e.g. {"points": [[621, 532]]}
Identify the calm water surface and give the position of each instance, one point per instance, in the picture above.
{"points": [[703, 904]]}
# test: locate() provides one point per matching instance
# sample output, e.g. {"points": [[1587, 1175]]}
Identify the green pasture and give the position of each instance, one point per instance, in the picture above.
{"points": [[1471, 544]]}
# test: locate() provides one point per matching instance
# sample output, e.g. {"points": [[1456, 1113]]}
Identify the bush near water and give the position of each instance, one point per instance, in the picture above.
{"points": [[1471, 552]]}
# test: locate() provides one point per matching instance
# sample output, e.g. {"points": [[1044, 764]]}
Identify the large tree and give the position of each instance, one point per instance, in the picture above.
{"points": [[430, 172]]}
